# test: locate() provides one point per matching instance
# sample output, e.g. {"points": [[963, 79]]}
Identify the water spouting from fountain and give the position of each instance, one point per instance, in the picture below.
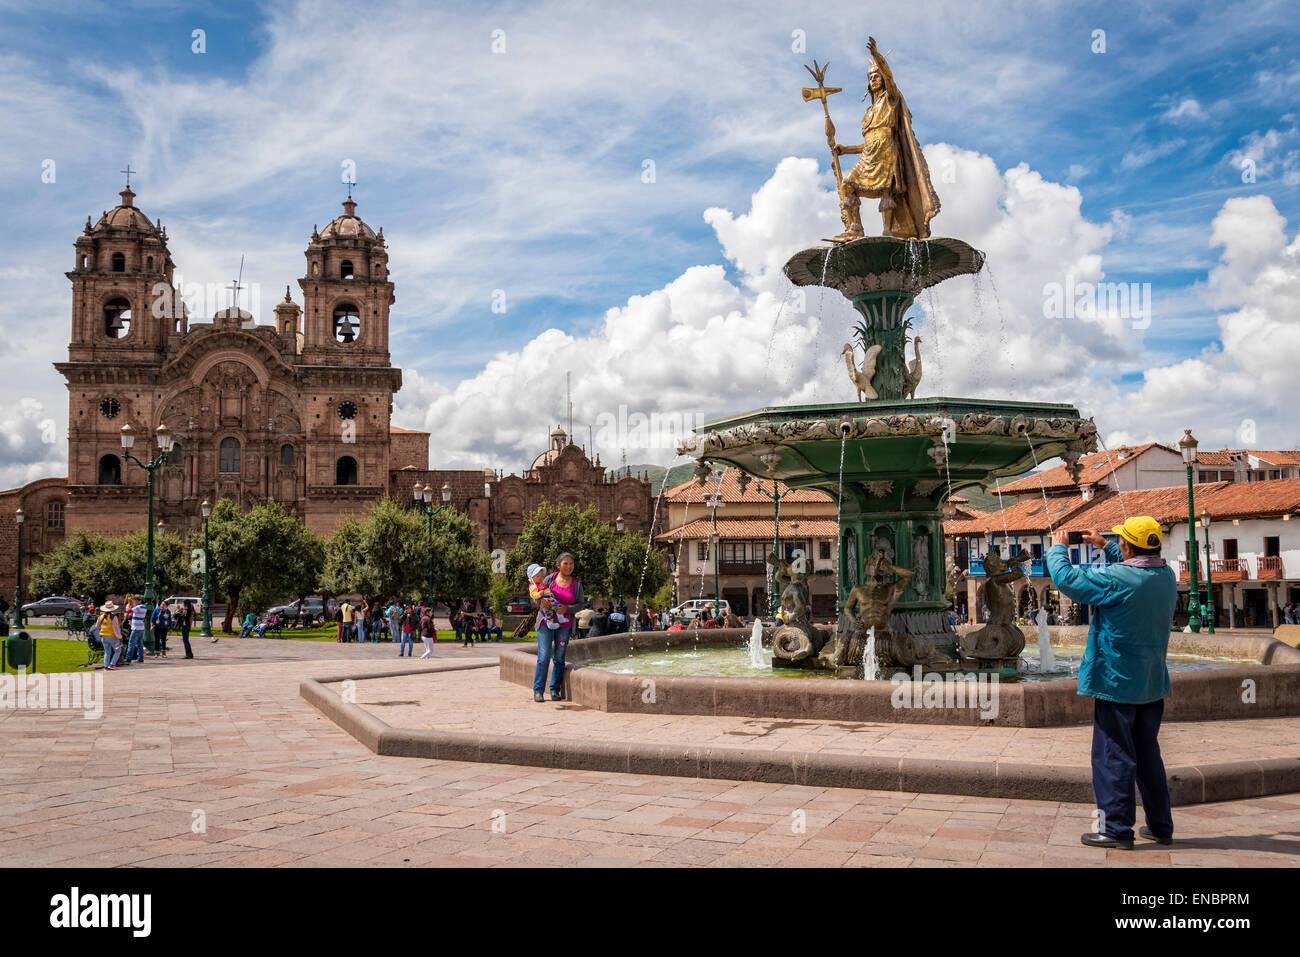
{"points": [[1046, 657], [1119, 491], [756, 657], [870, 661]]}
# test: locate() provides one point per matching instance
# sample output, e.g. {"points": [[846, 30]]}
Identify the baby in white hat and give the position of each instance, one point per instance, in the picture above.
{"points": [[538, 590]]}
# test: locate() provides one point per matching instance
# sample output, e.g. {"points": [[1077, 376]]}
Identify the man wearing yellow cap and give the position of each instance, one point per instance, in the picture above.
{"points": [[1123, 671]]}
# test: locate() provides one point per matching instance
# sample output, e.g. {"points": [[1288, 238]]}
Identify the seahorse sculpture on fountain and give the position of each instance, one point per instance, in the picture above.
{"points": [[796, 639]]}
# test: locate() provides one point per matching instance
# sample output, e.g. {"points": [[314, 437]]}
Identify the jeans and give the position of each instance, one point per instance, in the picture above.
{"points": [[551, 645], [361, 629], [135, 645], [185, 640], [407, 645], [112, 650], [1125, 750]]}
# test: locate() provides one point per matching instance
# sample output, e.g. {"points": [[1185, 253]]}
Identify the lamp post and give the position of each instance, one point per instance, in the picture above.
{"points": [[1209, 574], [619, 525], [1187, 446], [164, 440], [206, 509], [18, 585], [423, 495], [714, 502], [776, 497]]}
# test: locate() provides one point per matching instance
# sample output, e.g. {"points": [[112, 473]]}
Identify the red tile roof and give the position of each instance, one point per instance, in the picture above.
{"points": [[398, 428], [1223, 457], [751, 528], [1223, 500], [689, 491], [1094, 467]]}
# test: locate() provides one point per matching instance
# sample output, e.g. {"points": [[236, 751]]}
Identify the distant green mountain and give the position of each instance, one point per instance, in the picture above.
{"points": [[675, 476]]}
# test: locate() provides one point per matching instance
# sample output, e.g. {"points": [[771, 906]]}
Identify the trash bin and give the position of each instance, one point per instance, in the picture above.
{"points": [[19, 651]]}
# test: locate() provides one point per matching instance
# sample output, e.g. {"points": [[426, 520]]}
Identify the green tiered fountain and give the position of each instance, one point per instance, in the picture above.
{"points": [[889, 459]]}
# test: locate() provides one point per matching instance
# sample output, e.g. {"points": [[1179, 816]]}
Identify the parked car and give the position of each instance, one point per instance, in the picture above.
{"points": [[177, 604], [312, 611], [520, 605], [690, 610], [55, 606]]}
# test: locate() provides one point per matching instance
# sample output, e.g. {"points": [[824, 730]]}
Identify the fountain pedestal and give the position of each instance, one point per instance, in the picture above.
{"points": [[901, 458]]}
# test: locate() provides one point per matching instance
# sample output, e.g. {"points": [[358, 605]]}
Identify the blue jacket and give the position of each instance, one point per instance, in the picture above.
{"points": [[1133, 608]]}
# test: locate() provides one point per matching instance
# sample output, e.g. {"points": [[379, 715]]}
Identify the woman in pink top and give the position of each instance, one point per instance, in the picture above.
{"points": [[567, 600]]}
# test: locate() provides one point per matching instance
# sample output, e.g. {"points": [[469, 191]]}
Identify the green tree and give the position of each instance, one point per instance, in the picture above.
{"points": [[261, 557], [624, 563], [386, 555], [100, 566], [554, 529]]}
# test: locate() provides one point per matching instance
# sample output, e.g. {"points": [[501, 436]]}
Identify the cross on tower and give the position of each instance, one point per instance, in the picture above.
{"points": [[350, 183], [128, 171], [234, 286]]}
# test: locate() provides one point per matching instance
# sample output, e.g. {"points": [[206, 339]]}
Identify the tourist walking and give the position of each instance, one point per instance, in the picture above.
{"points": [[408, 632], [139, 617], [561, 598], [162, 622], [1124, 672], [428, 633], [110, 634], [185, 621], [582, 622]]}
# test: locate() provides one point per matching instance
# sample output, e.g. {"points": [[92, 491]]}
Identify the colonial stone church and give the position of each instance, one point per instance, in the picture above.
{"points": [[297, 411]]}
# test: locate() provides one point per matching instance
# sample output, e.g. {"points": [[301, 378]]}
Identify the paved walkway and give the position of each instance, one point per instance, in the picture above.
{"points": [[478, 701], [226, 743]]}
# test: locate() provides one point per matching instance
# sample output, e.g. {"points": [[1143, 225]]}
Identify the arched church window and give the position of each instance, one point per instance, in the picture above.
{"points": [[174, 456], [119, 262], [345, 270], [110, 470], [345, 472], [148, 263], [347, 322], [229, 459], [117, 318], [286, 455]]}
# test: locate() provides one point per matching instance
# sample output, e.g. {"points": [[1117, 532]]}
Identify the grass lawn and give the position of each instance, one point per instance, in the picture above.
{"points": [[55, 655]]}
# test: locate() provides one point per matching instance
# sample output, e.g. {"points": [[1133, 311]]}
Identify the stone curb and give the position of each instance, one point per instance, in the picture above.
{"points": [[999, 779]]}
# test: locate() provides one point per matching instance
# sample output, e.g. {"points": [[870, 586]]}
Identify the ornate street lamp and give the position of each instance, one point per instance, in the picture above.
{"points": [[206, 509], [1209, 574], [423, 495], [714, 502], [1187, 446], [18, 586], [164, 440]]}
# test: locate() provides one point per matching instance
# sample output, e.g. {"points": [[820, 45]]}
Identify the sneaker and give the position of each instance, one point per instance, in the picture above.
{"points": [[557, 695], [1146, 832], [537, 697], [111, 668], [1105, 840]]}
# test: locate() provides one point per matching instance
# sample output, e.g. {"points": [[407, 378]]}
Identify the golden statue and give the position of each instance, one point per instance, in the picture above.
{"points": [[890, 163]]}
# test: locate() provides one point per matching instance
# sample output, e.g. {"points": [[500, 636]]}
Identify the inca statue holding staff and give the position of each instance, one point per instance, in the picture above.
{"points": [[890, 163]]}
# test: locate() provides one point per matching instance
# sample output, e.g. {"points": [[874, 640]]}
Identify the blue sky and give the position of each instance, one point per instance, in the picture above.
{"points": [[521, 170]]}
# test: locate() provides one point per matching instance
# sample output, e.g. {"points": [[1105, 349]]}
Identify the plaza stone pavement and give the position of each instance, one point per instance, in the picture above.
{"points": [[226, 739]]}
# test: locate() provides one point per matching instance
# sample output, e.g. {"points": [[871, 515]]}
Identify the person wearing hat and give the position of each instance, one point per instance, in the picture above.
{"points": [[110, 634], [1123, 671]]}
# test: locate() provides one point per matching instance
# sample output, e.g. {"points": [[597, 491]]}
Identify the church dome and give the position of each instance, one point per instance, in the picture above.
{"points": [[125, 216], [347, 226]]}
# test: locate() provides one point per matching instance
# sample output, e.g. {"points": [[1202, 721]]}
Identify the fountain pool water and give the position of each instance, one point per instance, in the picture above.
{"points": [[739, 662]]}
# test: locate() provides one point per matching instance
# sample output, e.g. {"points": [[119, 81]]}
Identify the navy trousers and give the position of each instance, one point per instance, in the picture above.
{"points": [[1124, 752]]}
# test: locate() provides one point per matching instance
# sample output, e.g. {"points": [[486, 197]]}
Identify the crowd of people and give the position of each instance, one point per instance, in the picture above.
{"points": [[118, 628]]}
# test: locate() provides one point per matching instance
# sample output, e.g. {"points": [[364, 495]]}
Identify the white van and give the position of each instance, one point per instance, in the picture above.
{"points": [[690, 610]]}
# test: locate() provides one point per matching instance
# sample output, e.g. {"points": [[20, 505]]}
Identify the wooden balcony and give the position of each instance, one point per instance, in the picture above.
{"points": [[1221, 569], [1269, 567]]}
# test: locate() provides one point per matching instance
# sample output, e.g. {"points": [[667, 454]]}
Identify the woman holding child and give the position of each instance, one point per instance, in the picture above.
{"points": [[559, 597]]}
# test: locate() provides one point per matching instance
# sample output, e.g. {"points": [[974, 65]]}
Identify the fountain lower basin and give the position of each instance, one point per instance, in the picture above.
{"points": [[1196, 696]]}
